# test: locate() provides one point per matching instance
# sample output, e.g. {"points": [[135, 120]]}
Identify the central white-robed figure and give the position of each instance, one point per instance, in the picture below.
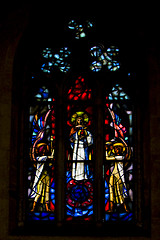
{"points": [[80, 139]]}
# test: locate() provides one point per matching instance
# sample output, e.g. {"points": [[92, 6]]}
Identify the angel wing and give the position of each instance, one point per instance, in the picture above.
{"points": [[39, 131]]}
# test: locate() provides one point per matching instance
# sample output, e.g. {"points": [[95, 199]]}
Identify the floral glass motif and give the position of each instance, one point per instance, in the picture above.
{"points": [[118, 164], [102, 58], [79, 153], [41, 172], [80, 29], [55, 59]]}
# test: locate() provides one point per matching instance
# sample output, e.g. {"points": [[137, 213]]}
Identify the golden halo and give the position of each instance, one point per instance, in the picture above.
{"points": [[82, 115]]}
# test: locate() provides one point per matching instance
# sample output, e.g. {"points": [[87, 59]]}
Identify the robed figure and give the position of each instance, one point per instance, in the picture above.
{"points": [[80, 140]]}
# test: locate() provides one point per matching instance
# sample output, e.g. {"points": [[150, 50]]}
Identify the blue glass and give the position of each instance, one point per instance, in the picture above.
{"points": [[80, 29], [96, 66], [107, 58], [96, 51], [79, 195], [56, 59]]}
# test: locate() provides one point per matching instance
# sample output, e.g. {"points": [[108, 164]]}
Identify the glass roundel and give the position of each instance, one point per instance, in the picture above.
{"points": [[55, 59], [102, 58]]}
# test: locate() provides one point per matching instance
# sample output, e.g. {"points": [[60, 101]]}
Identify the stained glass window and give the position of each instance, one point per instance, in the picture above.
{"points": [[82, 170], [79, 153], [41, 171], [119, 159]]}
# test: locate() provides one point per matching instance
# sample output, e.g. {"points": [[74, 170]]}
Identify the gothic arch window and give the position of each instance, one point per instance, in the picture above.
{"points": [[80, 159]]}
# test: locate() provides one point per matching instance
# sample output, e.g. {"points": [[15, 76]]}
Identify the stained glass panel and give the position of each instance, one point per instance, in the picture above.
{"points": [[41, 171], [119, 159], [79, 91], [104, 58], [80, 29], [79, 153], [79, 201], [53, 59]]}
